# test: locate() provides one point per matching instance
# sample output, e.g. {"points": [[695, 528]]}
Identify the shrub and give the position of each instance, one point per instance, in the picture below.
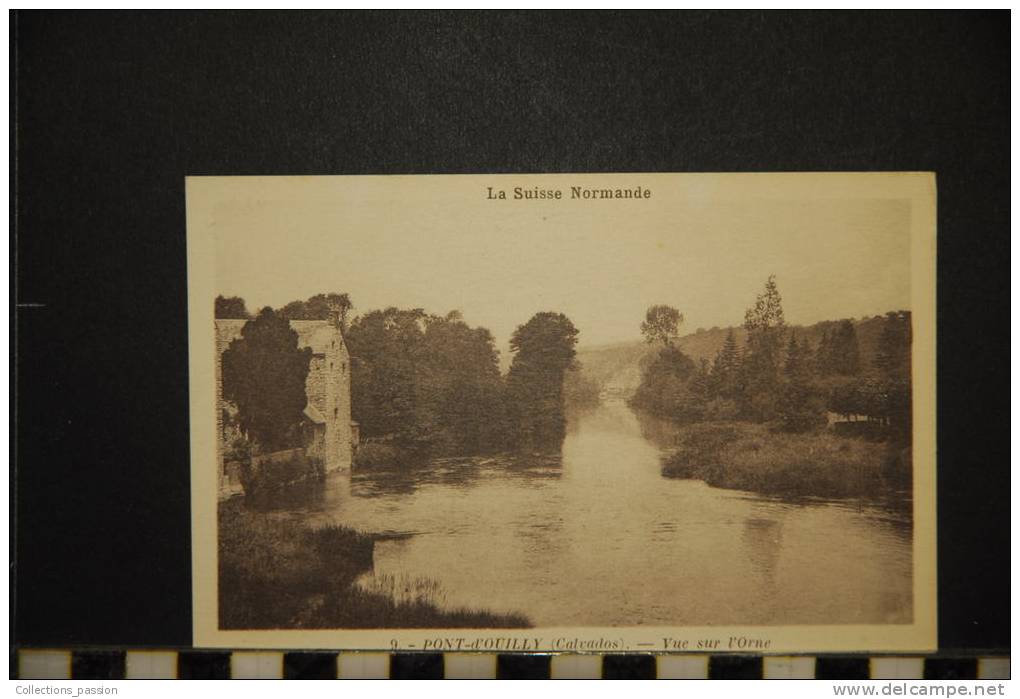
{"points": [[751, 457], [277, 471], [722, 410], [806, 465], [380, 455], [334, 541], [239, 449], [700, 447], [800, 409]]}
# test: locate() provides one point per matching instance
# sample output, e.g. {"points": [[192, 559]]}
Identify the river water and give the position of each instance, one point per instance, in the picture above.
{"points": [[597, 536]]}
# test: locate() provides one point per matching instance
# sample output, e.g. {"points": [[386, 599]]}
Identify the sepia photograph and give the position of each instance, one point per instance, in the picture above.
{"points": [[669, 412]]}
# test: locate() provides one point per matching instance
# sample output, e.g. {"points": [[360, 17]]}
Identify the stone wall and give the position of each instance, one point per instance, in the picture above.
{"points": [[334, 375], [315, 384], [226, 332], [328, 388]]}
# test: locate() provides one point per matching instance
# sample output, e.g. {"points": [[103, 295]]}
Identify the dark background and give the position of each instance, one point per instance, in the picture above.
{"points": [[111, 111]]}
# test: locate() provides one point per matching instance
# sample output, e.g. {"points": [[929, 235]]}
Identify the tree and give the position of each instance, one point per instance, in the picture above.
{"points": [[701, 384], [841, 355], [543, 351], [230, 307], [320, 307], [824, 351], [386, 351], [892, 356], [893, 364], [264, 374], [425, 383], [546, 341], [799, 406], [459, 386], [765, 325], [767, 312], [883, 393], [798, 359], [671, 386], [726, 369], [662, 324]]}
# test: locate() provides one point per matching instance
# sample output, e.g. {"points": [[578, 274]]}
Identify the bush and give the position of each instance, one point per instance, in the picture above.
{"points": [[821, 464], [898, 467], [334, 542], [722, 410], [816, 464], [800, 409], [272, 473], [700, 447], [380, 455], [669, 388]]}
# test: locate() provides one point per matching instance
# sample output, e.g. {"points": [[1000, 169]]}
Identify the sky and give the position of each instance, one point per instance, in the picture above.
{"points": [[703, 244]]}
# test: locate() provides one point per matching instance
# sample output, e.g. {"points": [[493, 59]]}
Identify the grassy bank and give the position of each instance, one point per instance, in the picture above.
{"points": [[748, 456], [278, 575]]}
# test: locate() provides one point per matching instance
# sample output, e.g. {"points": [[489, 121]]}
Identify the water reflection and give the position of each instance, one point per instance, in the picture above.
{"points": [[306, 495], [763, 538], [661, 433], [595, 535], [455, 472]]}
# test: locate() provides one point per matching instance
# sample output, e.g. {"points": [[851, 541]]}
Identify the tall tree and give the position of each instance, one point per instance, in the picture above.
{"points": [[386, 350], [893, 363], [662, 324], [843, 355], [823, 352], [798, 359], [701, 383], [765, 327], [231, 307], [546, 341], [429, 384], [264, 373], [671, 386], [459, 385], [892, 356], [799, 406], [320, 307], [726, 368], [767, 312], [543, 351]]}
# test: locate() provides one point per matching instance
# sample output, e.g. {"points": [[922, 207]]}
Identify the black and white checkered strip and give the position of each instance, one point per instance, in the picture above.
{"points": [[156, 664]]}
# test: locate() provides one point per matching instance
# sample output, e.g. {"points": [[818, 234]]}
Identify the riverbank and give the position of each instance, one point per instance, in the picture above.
{"points": [[276, 574], [748, 456]]}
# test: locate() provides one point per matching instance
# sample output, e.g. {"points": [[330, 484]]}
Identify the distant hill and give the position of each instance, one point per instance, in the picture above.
{"points": [[617, 367]]}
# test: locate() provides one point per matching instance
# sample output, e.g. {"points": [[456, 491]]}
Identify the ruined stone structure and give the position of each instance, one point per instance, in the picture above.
{"points": [[328, 387]]}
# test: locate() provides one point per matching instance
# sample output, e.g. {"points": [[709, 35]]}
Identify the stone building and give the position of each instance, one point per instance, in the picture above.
{"points": [[332, 435]]}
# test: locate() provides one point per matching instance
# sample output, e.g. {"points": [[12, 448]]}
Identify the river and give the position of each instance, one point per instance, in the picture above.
{"points": [[597, 536]]}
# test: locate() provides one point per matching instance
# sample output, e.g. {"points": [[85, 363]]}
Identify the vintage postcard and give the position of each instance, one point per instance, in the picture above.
{"points": [[627, 412]]}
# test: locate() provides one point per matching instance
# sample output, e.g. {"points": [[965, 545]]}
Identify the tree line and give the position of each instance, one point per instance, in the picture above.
{"points": [[779, 376], [431, 384], [421, 383]]}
